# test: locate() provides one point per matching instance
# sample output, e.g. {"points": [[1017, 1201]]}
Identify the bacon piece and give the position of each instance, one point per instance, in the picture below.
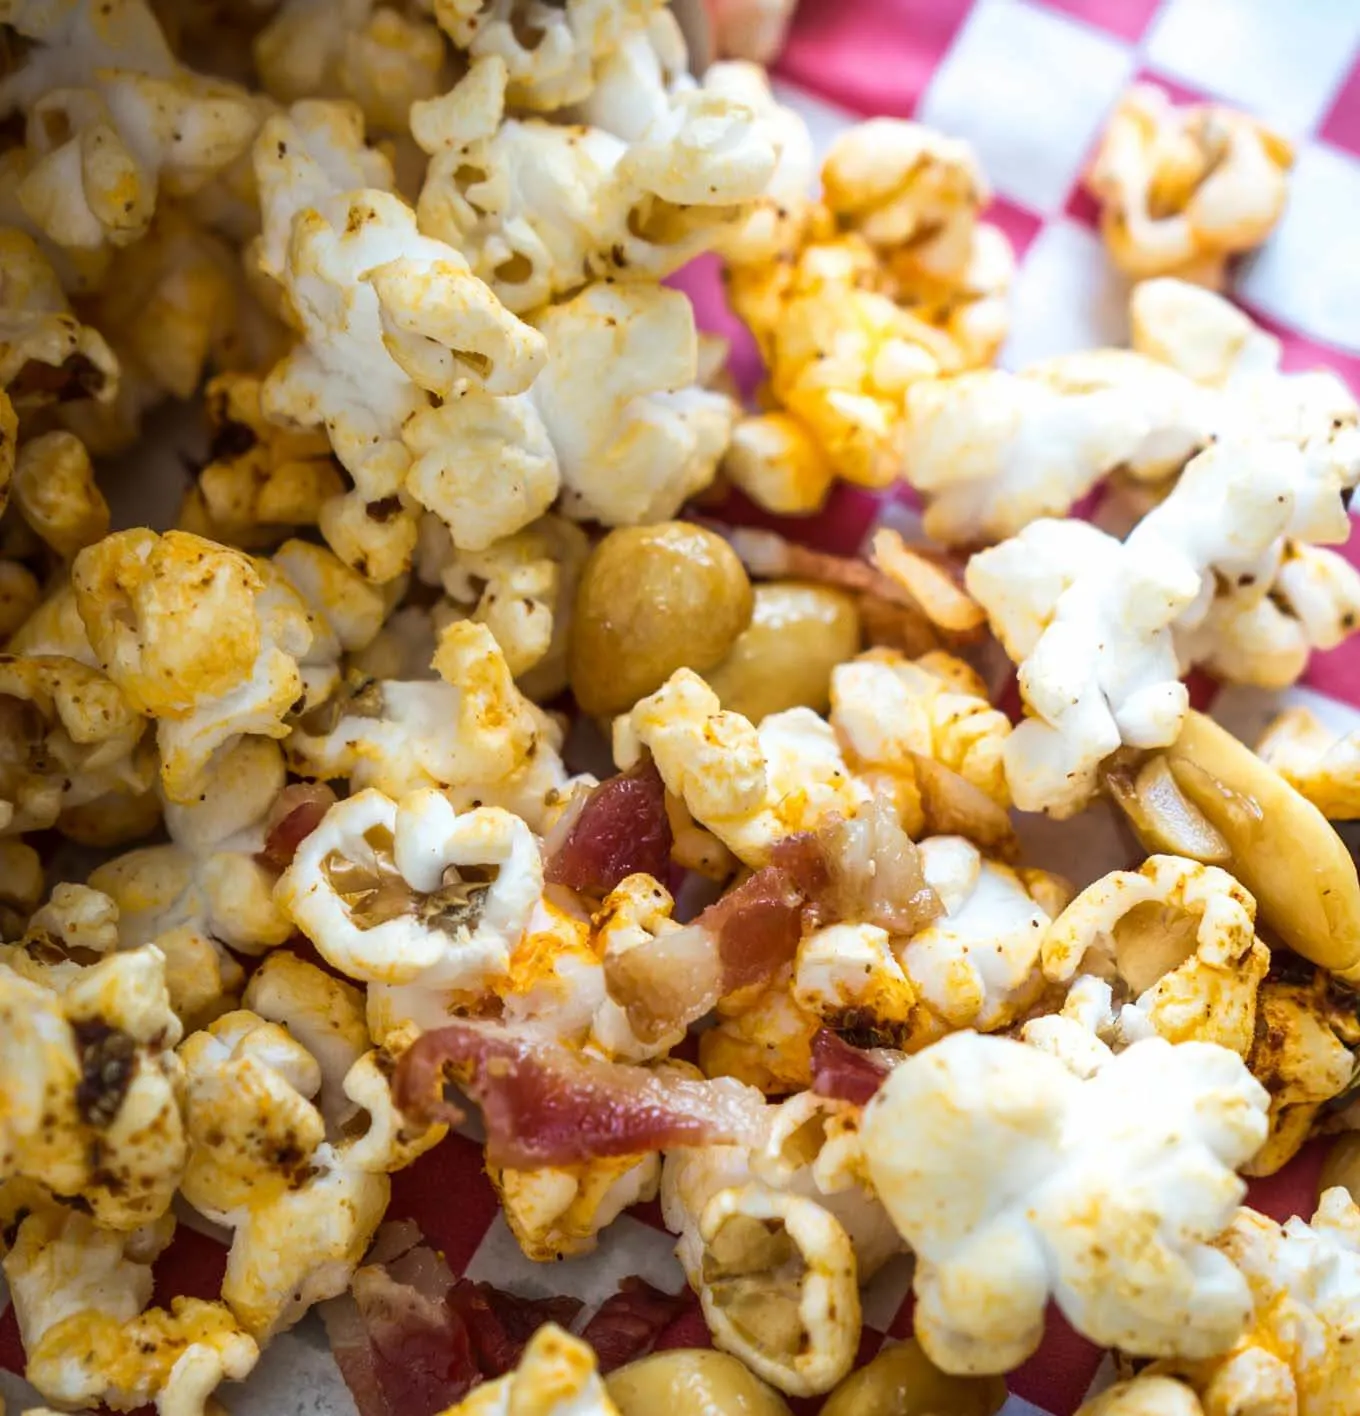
{"points": [[876, 873], [622, 830], [543, 1104], [501, 1324], [628, 1323], [742, 939], [842, 1071], [296, 813]]}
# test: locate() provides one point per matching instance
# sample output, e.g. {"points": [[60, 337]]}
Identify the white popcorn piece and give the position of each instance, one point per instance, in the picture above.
{"points": [[470, 734], [550, 53], [1111, 1194], [750, 787], [556, 1376], [1180, 937], [977, 966], [1299, 1351], [81, 1297], [303, 1199], [115, 122], [614, 422], [389, 320], [197, 636], [378, 887], [848, 972], [47, 355], [777, 1240], [1322, 764], [91, 1082], [539, 209], [376, 55], [1182, 189], [1093, 623]]}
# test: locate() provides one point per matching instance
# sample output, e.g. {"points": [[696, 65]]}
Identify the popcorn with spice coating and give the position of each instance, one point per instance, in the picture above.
{"points": [[556, 1376], [377, 55], [47, 354], [81, 1296], [777, 1240], [55, 491], [1179, 939], [469, 733], [72, 740], [302, 1198], [114, 122], [749, 786], [1115, 1187], [1182, 189], [92, 1086], [1316, 760], [197, 636], [540, 209], [261, 482]]}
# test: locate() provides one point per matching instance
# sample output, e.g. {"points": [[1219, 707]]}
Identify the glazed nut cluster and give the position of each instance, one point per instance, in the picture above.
{"points": [[441, 744]]}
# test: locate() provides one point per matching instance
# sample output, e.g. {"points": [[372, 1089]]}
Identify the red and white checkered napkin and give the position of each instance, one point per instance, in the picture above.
{"points": [[1029, 83]]}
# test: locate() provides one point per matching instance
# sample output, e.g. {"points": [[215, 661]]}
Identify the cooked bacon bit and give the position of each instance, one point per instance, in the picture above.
{"points": [[842, 1071], [743, 939], [928, 582], [627, 1325], [545, 1105], [296, 813], [877, 875], [501, 1324], [766, 553], [622, 830], [902, 627]]}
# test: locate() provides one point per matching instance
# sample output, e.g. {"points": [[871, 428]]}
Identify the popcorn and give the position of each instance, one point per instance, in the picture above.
{"points": [[91, 1086], [994, 450], [522, 587], [1323, 765], [303, 1201], [374, 54], [19, 597], [777, 462], [889, 710], [46, 354], [55, 492], [1297, 1354], [776, 1242], [377, 887], [614, 422], [541, 209], [1113, 1190], [206, 888], [471, 734], [1183, 189], [765, 1042], [556, 1376], [114, 122], [72, 739], [549, 53], [1303, 1057], [80, 1295], [388, 318], [1180, 937], [977, 966], [847, 975], [197, 636], [750, 787], [558, 1212], [1091, 621]]}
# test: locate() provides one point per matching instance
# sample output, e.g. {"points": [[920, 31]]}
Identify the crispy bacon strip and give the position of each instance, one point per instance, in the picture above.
{"points": [[500, 1324], [622, 830], [842, 1071], [544, 1105], [628, 1323]]}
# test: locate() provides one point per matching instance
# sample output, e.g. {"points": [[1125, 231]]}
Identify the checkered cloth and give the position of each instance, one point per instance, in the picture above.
{"points": [[1028, 83]]}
